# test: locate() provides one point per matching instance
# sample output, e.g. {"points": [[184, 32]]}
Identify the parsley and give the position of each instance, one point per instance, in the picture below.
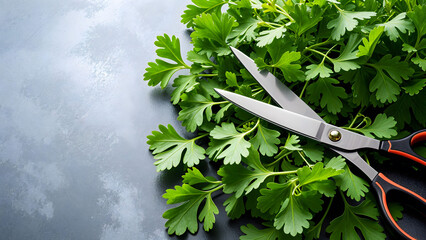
{"points": [[360, 64]]}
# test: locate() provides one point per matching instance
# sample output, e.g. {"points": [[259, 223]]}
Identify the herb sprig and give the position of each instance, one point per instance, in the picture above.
{"points": [[360, 64]]}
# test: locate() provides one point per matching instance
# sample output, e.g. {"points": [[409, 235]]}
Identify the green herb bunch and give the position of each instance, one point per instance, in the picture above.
{"points": [[359, 64]]}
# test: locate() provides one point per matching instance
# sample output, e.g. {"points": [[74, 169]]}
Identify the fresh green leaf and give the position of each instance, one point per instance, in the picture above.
{"points": [[314, 151], [408, 48], [184, 83], [231, 79], [345, 61], [294, 215], [370, 44], [273, 197], [234, 207], [184, 217], [415, 86], [390, 72], [208, 212], [267, 36], [229, 144], [327, 94], [291, 71], [355, 186], [292, 143], [239, 179], [266, 140], [270, 233], [418, 16], [362, 218], [397, 23], [395, 210], [317, 173], [200, 7], [194, 109], [382, 127], [245, 30], [169, 148], [194, 176], [346, 21], [420, 61], [304, 18], [161, 71], [318, 69], [212, 30]]}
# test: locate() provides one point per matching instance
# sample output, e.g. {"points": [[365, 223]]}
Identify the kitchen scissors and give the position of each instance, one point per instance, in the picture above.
{"points": [[295, 115]]}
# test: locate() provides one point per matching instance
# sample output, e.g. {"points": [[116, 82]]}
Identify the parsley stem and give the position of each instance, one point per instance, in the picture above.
{"points": [[255, 126], [303, 89], [283, 12], [279, 158], [216, 188], [326, 212], [217, 103], [356, 116], [304, 159], [320, 53], [207, 75], [343, 197], [282, 173], [316, 45], [340, 10], [201, 136]]}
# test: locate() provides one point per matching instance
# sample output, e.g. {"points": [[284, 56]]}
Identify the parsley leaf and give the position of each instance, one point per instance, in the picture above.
{"points": [[418, 16], [390, 72], [161, 71], [228, 144], [420, 61], [184, 217], [317, 173], [211, 32], [346, 21], [169, 148], [304, 18], [397, 23], [327, 94], [382, 127], [362, 217], [194, 109], [370, 44], [234, 207], [199, 7], [266, 140], [267, 36], [291, 71], [270, 233], [294, 214], [183, 83], [239, 179], [355, 186], [345, 60], [318, 69]]}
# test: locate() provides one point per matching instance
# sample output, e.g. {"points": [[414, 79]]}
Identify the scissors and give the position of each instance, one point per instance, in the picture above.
{"points": [[295, 115]]}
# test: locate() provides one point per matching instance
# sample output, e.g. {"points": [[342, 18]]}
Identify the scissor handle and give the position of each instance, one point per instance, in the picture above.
{"points": [[383, 185], [403, 147]]}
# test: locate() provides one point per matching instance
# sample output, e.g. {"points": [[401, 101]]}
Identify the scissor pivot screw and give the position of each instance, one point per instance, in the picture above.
{"points": [[334, 135]]}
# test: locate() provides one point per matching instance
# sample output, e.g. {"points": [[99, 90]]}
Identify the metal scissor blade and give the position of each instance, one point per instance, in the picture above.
{"points": [[286, 98], [304, 126], [294, 122]]}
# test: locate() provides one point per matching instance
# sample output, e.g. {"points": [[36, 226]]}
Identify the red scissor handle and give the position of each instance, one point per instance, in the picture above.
{"points": [[403, 147], [383, 185]]}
